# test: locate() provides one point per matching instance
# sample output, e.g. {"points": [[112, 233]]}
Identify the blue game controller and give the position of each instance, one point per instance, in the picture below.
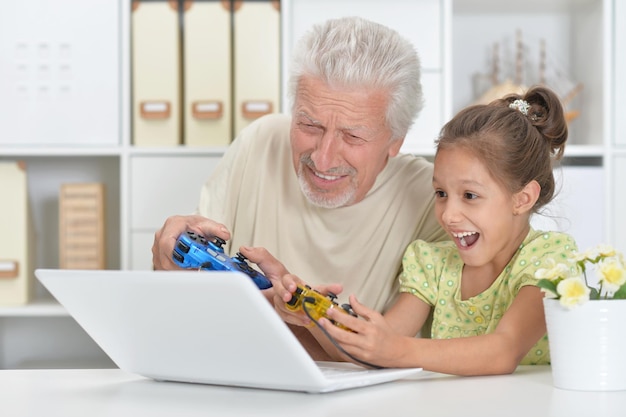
{"points": [[193, 251]]}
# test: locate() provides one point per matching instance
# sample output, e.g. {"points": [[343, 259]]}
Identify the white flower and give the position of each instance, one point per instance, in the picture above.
{"points": [[599, 252], [553, 271], [573, 291], [611, 274], [581, 256], [567, 282]]}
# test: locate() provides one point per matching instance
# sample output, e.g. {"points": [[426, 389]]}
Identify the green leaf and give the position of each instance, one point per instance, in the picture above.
{"points": [[594, 294], [621, 293], [547, 285]]}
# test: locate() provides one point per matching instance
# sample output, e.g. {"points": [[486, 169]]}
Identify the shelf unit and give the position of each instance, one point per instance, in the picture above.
{"points": [[453, 38], [575, 52]]}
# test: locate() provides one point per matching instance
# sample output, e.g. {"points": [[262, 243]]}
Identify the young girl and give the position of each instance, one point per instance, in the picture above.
{"points": [[493, 169]]}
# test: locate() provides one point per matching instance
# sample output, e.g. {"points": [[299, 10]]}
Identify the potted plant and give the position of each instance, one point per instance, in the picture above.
{"points": [[585, 317]]}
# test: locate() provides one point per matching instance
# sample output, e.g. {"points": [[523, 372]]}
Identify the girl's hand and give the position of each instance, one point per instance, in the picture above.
{"points": [[372, 339]]}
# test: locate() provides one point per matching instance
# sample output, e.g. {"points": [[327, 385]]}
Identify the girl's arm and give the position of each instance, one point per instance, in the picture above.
{"points": [[405, 318], [387, 341]]}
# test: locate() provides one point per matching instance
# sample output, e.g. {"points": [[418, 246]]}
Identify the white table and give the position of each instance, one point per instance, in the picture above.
{"points": [[112, 392]]}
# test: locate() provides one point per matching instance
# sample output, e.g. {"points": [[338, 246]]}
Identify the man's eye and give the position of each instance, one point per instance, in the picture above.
{"points": [[352, 139], [309, 127]]}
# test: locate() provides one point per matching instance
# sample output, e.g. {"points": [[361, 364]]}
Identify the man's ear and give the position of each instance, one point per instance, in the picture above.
{"points": [[524, 200], [395, 146]]}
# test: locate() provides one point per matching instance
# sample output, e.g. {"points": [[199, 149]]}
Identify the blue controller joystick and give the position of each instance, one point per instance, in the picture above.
{"points": [[193, 251]]}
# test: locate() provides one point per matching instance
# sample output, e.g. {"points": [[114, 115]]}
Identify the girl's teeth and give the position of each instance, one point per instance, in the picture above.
{"points": [[463, 243]]}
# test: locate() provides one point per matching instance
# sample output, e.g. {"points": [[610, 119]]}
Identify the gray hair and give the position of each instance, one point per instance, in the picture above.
{"points": [[357, 53]]}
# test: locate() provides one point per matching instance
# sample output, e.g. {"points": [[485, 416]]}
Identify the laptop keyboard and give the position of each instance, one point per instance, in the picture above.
{"points": [[339, 372]]}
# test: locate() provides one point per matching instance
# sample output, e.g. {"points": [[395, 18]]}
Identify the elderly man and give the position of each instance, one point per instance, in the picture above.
{"points": [[325, 190]]}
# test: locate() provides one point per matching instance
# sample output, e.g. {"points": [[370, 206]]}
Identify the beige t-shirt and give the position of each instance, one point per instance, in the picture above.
{"points": [[254, 191]]}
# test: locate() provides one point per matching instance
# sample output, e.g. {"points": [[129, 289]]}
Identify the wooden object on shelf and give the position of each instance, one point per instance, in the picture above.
{"points": [[555, 78], [16, 276], [81, 226]]}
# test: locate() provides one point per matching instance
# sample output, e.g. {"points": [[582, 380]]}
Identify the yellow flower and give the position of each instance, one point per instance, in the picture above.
{"points": [[573, 292], [612, 274]]}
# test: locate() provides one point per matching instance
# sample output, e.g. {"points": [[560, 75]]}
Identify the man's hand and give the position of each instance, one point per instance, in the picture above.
{"points": [[165, 238], [283, 284], [273, 269]]}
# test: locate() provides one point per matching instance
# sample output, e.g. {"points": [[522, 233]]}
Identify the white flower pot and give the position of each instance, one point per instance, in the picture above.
{"points": [[587, 345]]}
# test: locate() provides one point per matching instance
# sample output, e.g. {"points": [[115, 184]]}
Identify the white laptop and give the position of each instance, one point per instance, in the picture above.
{"points": [[198, 327]]}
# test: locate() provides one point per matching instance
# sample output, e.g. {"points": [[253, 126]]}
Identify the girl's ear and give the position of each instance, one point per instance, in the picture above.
{"points": [[524, 200]]}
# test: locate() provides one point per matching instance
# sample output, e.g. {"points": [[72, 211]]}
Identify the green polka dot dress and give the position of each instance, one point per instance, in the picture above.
{"points": [[432, 272]]}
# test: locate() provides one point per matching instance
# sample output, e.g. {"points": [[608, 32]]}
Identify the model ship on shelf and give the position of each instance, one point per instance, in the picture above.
{"points": [[493, 86]]}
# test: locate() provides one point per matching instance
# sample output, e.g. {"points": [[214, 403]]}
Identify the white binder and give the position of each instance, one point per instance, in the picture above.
{"points": [[257, 60], [207, 73], [156, 73], [16, 243]]}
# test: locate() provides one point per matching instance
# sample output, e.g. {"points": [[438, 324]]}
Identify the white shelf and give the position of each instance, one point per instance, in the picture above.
{"points": [[35, 309], [52, 151], [514, 6], [577, 151], [584, 151], [178, 151], [63, 151]]}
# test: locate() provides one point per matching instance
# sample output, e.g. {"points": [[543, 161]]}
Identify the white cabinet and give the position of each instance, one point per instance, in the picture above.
{"points": [[617, 149], [578, 208], [59, 73], [618, 192], [161, 185], [619, 48], [44, 337]]}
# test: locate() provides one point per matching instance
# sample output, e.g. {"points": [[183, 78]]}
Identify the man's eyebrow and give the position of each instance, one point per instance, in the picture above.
{"points": [[309, 118], [345, 128]]}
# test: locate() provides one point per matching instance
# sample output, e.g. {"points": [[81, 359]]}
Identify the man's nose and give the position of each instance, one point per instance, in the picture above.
{"points": [[326, 152]]}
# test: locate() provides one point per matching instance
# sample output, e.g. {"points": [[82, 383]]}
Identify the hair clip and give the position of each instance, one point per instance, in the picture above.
{"points": [[521, 105]]}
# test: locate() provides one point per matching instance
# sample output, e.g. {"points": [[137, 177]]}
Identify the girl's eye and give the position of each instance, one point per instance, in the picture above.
{"points": [[470, 196], [440, 194]]}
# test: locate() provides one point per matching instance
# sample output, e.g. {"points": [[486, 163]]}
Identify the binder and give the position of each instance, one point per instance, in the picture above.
{"points": [[81, 226], [156, 73], [256, 60], [207, 73], [16, 238]]}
